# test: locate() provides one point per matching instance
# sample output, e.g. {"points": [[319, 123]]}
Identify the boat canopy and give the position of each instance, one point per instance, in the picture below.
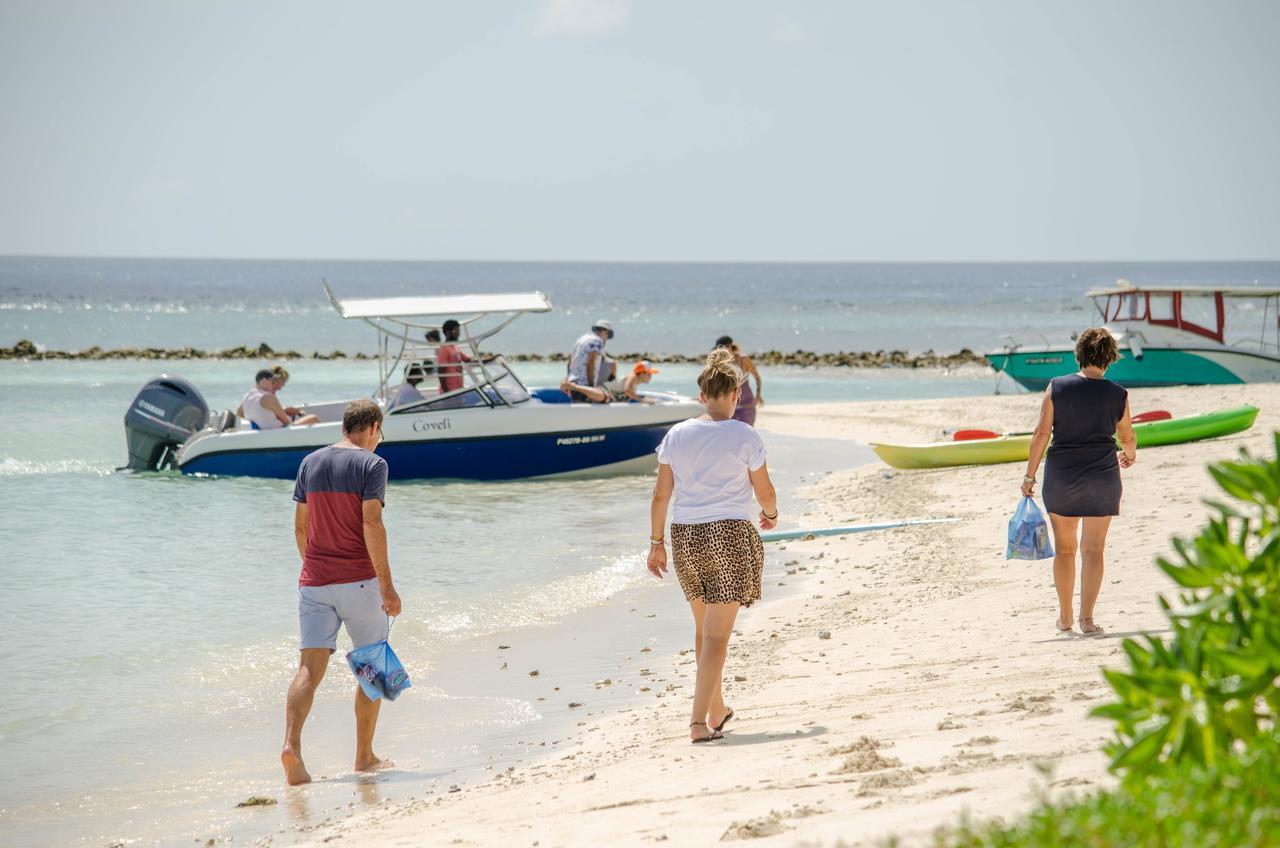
{"points": [[402, 344], [1199, 310], [434, 307], [1125, 287]]}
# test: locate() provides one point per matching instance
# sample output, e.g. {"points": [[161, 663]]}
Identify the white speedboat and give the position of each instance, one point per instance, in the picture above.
{"points": [[1168, 336], [492, 428]]}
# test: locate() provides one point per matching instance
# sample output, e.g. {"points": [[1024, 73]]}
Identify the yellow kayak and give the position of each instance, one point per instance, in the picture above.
{"points": [[1015, 447]]}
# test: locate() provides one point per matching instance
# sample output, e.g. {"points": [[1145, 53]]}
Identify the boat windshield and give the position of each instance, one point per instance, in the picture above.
{"points": [[456, 386], [1200, 313], [1239, 320]]}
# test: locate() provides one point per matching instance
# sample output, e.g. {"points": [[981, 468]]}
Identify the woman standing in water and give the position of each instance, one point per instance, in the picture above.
{"points": [[714, 466], [1083, 413], [747, 401]]}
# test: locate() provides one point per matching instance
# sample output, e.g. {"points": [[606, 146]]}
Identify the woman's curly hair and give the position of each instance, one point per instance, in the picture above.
{"points": [[1096, 347], [720, 376]]}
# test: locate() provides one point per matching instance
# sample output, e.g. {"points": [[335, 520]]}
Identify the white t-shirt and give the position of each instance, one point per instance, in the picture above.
{"points": [[710, 461], [254, 411], [582, 350]]}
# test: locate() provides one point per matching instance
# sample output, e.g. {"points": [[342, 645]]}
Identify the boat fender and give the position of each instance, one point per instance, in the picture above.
{"points": [[1136, 347]]}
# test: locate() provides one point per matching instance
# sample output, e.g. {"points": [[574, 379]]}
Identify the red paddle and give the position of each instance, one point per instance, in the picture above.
{"points": [[972, 435]]}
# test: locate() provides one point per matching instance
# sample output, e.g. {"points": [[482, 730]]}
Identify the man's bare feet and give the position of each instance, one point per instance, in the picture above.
{"points": [[372, 763], [294, 771]]}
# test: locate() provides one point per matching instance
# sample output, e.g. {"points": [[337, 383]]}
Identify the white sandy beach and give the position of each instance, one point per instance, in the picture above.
{"points": [[943, 687]]}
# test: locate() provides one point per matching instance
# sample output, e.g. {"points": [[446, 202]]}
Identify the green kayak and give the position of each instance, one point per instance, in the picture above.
{"points": [[1016, 446]]}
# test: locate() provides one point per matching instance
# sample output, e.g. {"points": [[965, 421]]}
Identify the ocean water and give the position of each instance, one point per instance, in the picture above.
{"points": [[655, 307], [148, 622]]}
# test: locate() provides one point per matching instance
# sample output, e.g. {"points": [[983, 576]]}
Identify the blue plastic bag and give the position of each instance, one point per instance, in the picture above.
{"points": [[378, 671], [1028, 533]]}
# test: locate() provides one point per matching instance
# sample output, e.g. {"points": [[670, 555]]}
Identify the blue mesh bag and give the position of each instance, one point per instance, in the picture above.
{"points": [[1028, 533], [378, 671]]}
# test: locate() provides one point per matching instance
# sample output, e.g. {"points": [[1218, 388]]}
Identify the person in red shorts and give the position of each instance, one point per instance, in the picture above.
{"points": [[345, 577]]}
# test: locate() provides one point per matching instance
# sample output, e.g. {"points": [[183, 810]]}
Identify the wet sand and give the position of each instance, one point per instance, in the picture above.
{"points": [[943, 686]]}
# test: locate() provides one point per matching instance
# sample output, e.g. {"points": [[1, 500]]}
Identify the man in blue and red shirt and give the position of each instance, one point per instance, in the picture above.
{"points": [[345, 577]]}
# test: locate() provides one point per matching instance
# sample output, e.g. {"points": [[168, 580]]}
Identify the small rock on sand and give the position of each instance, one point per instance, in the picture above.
{"points": [[533, 673], [257, 801], [770, 825], [824, 634]]}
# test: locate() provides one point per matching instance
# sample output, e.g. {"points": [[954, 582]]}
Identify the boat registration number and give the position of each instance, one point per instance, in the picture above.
{"points": [[579, 440], [1044, 360]]}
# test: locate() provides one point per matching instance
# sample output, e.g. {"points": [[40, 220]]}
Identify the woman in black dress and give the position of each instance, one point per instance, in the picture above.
{"points": [[1084, 414]]}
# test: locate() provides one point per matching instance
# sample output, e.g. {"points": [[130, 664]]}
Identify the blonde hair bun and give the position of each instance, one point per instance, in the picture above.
{"points": [[721, 375]]}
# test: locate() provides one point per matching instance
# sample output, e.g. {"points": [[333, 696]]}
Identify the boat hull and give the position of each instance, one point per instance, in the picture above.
{"points": [[1158, 366], [1017, 447], [530, 440]]}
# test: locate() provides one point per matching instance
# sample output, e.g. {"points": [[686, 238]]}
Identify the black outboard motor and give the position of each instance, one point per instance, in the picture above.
{"points": [[163, 416]]}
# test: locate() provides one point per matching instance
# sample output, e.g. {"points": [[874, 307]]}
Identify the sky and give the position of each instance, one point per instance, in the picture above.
{"points": [[641, 130]]}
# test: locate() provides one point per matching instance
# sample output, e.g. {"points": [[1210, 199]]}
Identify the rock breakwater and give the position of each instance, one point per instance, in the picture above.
{"points": [[28, 350]]}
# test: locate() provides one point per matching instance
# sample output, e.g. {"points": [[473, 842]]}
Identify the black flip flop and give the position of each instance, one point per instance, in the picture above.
{"points": [[715, 734], [719, 727]]}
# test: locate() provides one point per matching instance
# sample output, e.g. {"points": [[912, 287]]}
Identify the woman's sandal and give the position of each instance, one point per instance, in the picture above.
{"points": [[1088, 628], [1061, 629], [719, 727], [715, 734]]}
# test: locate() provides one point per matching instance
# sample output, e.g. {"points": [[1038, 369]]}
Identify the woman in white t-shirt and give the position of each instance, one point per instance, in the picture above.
{"points": [[715, 468]]}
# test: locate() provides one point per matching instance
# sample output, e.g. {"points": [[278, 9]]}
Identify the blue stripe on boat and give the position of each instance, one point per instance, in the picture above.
{"points": [[482, 458]]}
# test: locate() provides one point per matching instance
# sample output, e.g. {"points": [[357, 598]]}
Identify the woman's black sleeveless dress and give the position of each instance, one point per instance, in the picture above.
{"points": [[1082, 473]]}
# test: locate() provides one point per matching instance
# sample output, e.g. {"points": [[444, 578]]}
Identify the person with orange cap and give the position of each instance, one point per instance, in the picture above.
{"points": [[615, 390]]}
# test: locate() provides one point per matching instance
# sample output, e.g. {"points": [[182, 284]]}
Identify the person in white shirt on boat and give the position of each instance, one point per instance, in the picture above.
{"points": [[263, 409], [278, 380], [587, 363], [614, 390]]}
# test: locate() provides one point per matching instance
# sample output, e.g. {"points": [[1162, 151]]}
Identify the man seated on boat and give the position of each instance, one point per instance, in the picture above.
{"points": [[409, 393], [263, 409], [279, 377], [587, 362], [615, 390]]}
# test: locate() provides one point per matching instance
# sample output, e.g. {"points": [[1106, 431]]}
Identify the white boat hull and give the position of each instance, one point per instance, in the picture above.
{"points": [[530, 439]]}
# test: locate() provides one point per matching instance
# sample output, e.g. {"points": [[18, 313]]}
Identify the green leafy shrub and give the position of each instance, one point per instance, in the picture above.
{"points": [[1233, 804], [1212, 685]]}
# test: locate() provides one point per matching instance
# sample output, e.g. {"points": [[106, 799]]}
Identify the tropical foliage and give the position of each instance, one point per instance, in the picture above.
{"points": [[1211, 686]]}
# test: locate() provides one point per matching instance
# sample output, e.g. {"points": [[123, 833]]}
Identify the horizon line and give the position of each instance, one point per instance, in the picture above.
{"points": [[456, 261]]}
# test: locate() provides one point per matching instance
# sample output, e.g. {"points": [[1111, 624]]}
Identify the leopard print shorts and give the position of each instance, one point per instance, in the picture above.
{"points": [[720, 562]]}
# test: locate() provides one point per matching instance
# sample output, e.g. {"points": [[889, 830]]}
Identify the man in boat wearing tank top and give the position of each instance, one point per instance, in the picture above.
{"points": [[263, 409]]}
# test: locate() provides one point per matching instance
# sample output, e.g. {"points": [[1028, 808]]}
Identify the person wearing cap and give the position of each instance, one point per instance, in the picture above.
{"points": [[747, 401], [587, 362], [615, 390]]}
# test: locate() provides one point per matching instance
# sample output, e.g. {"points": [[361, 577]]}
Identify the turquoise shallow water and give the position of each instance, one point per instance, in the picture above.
{"points": [[162, 608]]}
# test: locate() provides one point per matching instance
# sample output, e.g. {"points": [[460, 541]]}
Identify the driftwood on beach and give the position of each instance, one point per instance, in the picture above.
{"points": [[28, 350]]}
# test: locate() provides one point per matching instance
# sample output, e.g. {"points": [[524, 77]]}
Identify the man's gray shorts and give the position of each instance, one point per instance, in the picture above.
{"points": [[322, 609]]}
